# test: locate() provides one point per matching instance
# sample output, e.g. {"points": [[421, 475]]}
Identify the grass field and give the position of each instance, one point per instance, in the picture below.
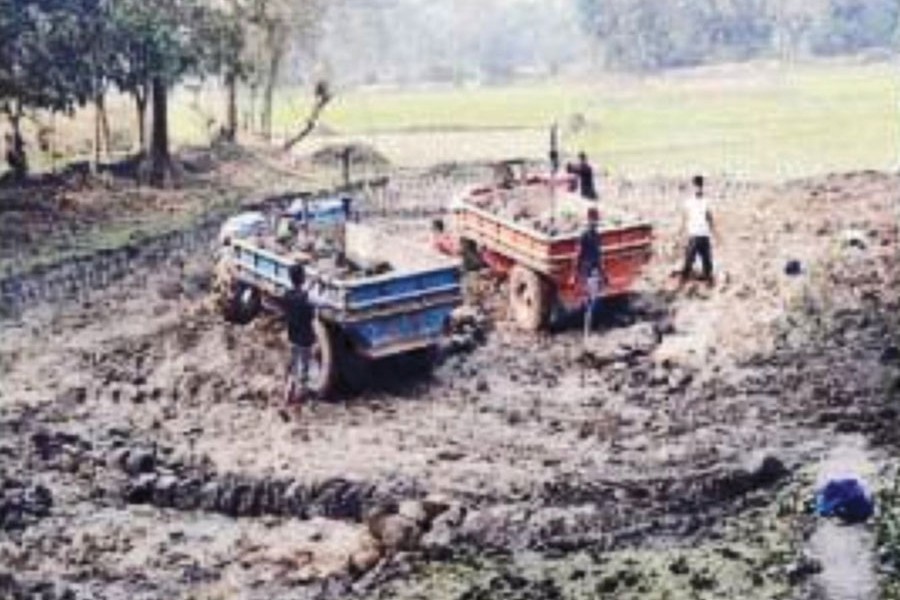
{"points": [[756, 120]]}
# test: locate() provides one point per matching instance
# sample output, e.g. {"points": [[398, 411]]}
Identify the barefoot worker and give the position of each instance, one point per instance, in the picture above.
{"points": [[299, 315], [698, 224]]}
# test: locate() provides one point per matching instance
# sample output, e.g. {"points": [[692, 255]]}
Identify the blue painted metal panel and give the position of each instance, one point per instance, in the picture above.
{"points": [[378, 335], [379, 293], [330, 211], [263, 266]]}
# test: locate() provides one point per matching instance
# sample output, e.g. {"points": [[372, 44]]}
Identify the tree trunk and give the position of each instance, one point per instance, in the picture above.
{"points": [[231, 124], [16, 156], [275, 44], [160, 160], [104, 127], [140, 103], [311, 121], [95, 167], [250, 123], [101, 129], [268, 96]]}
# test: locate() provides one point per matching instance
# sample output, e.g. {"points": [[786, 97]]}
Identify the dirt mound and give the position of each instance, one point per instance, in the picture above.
{"points": [[359, 155]]}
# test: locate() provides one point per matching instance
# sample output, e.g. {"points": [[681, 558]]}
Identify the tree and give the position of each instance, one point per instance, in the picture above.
{"points": [[98, 29], [132, 68], [853, 25], [159, 44], [226, 42], [323, 96], [38, 39], [793, 23], [276, 24], [652, 34]]}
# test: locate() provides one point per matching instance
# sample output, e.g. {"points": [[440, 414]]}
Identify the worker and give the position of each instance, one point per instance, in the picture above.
{"points": [[698, 224], [285, 230], [15, 156], [589, 266], [299, 315], [503, 173], [585, 174], [441, 240]]}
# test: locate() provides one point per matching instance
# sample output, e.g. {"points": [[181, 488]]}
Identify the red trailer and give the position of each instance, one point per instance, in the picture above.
{"points": [[528, 230]]}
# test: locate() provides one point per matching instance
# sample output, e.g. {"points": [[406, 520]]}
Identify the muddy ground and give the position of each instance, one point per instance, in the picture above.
{"points": [[671, 455]]}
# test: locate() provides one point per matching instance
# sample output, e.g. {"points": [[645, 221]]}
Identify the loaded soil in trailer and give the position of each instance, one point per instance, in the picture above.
{"points": [[558, 213]]}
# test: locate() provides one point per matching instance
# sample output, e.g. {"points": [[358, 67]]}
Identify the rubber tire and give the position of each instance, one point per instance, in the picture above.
{"points": [[425, 361], [355, 370], [329, 351], [239, 303], [529, 299]]}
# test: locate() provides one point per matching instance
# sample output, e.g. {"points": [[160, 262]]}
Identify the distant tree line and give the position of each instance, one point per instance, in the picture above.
{"points": [[59, 55], [449, 41], [656, 34]]}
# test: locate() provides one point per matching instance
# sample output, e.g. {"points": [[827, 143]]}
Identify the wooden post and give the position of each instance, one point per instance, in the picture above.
{"points": [[345, 167]]}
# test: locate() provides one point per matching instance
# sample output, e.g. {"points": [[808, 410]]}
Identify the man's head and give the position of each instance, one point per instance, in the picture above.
{"points": [[593, 217], [582, 157], [298, 276], [698, 184]]}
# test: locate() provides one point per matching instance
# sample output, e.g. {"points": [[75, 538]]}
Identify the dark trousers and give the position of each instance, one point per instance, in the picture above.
{"points": [[702, 247]]}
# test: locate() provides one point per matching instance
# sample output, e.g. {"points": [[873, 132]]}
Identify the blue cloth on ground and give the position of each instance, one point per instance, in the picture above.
{"points": [[848, 498]]}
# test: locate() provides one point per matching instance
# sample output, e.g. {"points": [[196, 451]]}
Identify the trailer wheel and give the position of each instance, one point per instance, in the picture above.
{"points": [[323, 364], [355, 370], [529, 298], [426, 360]]}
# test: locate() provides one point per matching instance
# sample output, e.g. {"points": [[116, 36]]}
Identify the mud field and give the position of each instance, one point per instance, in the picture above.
{"points": [[671, 455]]}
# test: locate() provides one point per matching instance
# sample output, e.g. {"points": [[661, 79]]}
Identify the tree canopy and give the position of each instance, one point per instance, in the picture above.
{"points": [[651, 34], [57, 55]]}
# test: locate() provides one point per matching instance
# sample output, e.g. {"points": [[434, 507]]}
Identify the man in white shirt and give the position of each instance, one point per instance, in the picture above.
{"points": [[697, 222]]}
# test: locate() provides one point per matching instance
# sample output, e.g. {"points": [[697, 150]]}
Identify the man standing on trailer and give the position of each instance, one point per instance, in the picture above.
{"points": [[299, 315], [589, 266], [585, 174], [697, 222]]}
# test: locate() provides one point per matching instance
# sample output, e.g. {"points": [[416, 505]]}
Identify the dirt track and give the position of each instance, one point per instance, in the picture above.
{"points": [[136, 427]]}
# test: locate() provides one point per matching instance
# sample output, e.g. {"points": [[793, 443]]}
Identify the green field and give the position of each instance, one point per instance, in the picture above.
{"points": [[758, 120], [755, 120]]}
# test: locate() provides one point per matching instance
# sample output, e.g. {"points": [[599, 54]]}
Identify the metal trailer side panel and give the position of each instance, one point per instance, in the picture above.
{"points": [[400, 332], [365, 295]]}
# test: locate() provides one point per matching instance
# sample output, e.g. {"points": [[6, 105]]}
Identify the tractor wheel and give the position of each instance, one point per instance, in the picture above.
{"points": [[529, 298], [323, 365], [239, 303]]}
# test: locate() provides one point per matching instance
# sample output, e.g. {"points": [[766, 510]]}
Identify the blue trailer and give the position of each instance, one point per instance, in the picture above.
{"points": [[398, 300]]}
